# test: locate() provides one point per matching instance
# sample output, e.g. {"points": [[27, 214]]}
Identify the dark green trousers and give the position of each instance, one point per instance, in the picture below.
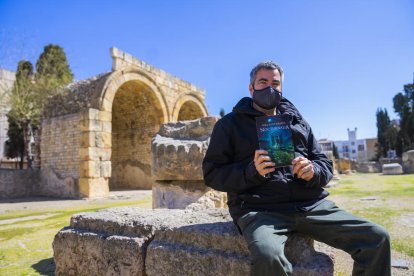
{"points": [[267, 232]]}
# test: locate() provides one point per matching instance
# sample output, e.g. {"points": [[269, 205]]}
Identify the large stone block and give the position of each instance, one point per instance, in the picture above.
{"points": [[181, 194], [408, 161], [179, 148], [199, 129], [93, 187], [393, 168], [167, 242], [95, 154]]}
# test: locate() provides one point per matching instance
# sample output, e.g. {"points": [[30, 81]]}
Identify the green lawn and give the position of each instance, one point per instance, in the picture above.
{"points": [[26, 245], [392, 208]]}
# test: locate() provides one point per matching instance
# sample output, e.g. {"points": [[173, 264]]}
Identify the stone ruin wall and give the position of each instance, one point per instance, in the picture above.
{"points": [[60, 154], [98, 136]]}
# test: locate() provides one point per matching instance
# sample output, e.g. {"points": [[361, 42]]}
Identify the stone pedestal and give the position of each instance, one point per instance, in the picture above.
{"points": [[134, 241], [408, 161], [178, 150]]}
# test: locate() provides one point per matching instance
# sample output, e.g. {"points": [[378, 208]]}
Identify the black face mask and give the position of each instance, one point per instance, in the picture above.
{"points": [[267, 98]]}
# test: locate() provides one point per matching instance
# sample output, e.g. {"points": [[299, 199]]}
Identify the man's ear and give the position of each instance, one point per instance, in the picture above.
{"points": [[251, 90]]}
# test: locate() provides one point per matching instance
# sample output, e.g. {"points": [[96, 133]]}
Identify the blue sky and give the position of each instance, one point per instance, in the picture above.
{"points": [[342, 59]]}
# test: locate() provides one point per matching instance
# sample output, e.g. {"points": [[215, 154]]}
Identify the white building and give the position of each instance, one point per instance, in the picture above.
{"points": [[6, 83], [353, 148]]}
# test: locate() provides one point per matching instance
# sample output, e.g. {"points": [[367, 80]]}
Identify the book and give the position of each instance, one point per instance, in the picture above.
{"points": [[275, 136]]}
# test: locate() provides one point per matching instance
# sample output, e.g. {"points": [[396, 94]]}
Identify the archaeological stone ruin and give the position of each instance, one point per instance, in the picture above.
{"points": [[97, 137], [185, 233]]}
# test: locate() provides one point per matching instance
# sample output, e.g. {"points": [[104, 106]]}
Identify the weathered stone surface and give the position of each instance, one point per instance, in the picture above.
{"points": [[172, 242], [199, 129], [179, 148], [113, 255], [367, 167], [56, 185], [408, 161], [393, 168], [181, 194], [18, 183]]}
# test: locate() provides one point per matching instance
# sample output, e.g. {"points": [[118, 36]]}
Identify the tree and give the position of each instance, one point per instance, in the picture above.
{"points": [[222, 112], [15, 144], [404, 107], [31, 91], [25, 110], [383, 124], [335, 151], [52, 68]]}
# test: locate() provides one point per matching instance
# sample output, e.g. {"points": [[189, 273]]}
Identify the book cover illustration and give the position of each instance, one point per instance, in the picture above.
{"points": [[275, 136]]}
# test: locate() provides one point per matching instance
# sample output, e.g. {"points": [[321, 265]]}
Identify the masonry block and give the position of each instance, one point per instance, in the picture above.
{"points": [[90, 169], [105, 116], [105, 169], [95, 154], [93, 187]]}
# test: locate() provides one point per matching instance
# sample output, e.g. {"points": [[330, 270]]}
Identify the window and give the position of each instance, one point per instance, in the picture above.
{"points": [[361, 148], [352, 143]]}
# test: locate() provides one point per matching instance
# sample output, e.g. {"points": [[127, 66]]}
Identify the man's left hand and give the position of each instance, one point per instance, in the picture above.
{"points": [[303, 168]]}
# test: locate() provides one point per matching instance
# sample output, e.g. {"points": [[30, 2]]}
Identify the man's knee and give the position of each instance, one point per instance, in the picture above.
{"points": [[267, 253], [380, 235]]}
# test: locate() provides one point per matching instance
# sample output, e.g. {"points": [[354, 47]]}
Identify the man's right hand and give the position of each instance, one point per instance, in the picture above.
{"points": [[263, 163]]}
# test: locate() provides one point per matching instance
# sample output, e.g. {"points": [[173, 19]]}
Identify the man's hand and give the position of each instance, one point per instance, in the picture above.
{"points": [[303, 168], [263, 163]]}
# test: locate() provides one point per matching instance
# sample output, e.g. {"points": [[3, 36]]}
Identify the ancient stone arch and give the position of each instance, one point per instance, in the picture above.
{"points": [[188, 107], [98, 136]]}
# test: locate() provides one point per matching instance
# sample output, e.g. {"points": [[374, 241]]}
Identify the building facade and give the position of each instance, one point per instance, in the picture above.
{"points": [[360, 150], [6, 83]]}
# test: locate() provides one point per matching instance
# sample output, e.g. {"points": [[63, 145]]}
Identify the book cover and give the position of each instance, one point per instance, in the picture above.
{"points": [[275, 136]]}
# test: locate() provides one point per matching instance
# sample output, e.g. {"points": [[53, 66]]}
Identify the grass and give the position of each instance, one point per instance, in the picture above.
{"points": [[26, 246], [394, 201]]}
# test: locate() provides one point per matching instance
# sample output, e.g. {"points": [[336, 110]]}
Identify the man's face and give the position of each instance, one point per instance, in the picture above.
{"points": [[265, 78]]}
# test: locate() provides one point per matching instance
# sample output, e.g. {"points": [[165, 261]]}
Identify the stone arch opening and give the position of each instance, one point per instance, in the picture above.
{"points": [[136, 116], [189, 111]]}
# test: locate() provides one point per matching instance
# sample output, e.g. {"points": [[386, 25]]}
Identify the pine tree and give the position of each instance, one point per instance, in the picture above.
{"points": [[335, 151], [404, 107], [52, 68], [31, 91], [383, 124]]}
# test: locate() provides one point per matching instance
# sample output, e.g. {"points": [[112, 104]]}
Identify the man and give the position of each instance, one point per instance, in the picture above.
{"points": [[267, 203]]}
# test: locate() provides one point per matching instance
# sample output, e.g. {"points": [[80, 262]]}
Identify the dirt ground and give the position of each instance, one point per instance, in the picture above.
{"points": [[47, 203]]}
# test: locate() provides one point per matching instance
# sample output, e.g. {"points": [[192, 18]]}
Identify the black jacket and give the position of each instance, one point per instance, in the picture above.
{"points": [[228, 164]]}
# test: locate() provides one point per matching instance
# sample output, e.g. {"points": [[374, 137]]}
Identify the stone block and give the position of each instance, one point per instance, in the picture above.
{"points": [[174, 159], [182, 194], [393, 168], [93, 187], [93, 254], [105, 116], [103, 139], [90, 169], [107, 127], [90, 125], [95, 154], [408, 161], [87, 139], [173, 242], [90, 114], [105, 169], [199, 129]]}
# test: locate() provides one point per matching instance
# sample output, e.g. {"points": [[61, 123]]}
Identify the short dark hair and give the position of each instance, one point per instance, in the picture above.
{"points": [[268, 65]]}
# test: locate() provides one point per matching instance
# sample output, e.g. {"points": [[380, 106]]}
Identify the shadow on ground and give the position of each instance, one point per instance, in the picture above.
{"points": [[45, 267]]}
